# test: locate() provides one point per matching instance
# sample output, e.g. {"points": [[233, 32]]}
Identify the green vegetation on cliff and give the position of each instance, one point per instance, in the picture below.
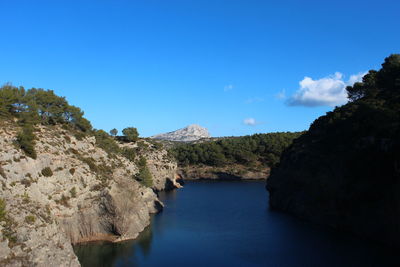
{"points": [[34, 106], [345, 171], [144, 175], [40, 106], [28, 109], [246, 150]]}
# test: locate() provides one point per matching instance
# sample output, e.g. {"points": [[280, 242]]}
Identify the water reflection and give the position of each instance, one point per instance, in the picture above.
{"points": [[105, 254], [228, 224]]}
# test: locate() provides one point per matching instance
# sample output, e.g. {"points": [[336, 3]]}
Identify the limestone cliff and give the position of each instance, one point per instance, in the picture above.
{"points": [[190, 133], [73, 192]]}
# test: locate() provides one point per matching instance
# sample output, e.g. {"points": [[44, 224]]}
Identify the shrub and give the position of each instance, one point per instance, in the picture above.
{"points": [[26, 182], [3, 212], [114, 132], [79, 135], [104, 141], [72, 171], [67, 138], [144, 176], [90, 163], [73, 192], [47, 172], [158, 146], [26, 141], [30, 219], [131, 134]]}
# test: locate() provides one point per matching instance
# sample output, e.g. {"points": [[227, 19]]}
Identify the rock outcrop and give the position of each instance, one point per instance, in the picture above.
{"points": [[73, 192], [162, 167], [190, 133]]}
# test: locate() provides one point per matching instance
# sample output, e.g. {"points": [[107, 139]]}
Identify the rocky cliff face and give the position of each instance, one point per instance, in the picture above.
{"points": [[190, 133], [163, 168], [73, 192]]}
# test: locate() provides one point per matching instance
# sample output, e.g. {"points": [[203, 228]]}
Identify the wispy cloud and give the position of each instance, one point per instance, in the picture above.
{"points": [[281, 94], [250, 122], [254, 100], [327, 91], [228, 87]]}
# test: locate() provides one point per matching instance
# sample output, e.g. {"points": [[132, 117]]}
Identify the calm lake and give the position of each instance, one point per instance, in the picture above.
{"points": [[228, 223]]}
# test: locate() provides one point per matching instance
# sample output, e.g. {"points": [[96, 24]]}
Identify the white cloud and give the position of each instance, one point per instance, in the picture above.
{"points": [[281, 94], [228, 87], [254, 100], [250, 121], [356, 78], [328, 91]]}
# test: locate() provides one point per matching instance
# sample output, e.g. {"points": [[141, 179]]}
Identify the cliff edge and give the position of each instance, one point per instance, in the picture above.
{"points": [[74, 191]]}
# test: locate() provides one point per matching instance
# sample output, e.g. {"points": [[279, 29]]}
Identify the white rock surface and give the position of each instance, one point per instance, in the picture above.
{"points": [[190, 133]]}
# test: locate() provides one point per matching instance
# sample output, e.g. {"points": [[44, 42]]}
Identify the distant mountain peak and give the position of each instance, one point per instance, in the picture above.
{"points": [[192, 132]]}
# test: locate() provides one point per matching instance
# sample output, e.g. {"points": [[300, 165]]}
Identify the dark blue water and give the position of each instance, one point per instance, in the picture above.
{"points": [[215, 223]]}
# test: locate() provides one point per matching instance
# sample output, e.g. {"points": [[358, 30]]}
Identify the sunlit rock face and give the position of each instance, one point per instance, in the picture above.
{"points": [[85, 195], [190, 133]]}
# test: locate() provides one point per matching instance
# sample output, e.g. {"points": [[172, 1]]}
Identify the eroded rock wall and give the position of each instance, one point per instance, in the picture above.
{"points": [[87, 195]]}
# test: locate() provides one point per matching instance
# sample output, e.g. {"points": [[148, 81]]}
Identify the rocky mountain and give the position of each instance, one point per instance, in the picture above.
{"points": [[344, 172], [190, 133]]}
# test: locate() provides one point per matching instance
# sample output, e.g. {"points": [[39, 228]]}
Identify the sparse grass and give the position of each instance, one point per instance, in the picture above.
{"points": [[83, 183], [96, 187], [8, 224], [25, 198], [129, 153], [64, 200]]}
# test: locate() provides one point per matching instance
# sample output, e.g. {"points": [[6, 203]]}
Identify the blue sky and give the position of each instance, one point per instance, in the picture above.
{"points": [[235, 67]]}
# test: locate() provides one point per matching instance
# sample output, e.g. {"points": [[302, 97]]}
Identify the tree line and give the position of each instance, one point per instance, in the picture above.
{"points": [[40, 106], [246, 150]]}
